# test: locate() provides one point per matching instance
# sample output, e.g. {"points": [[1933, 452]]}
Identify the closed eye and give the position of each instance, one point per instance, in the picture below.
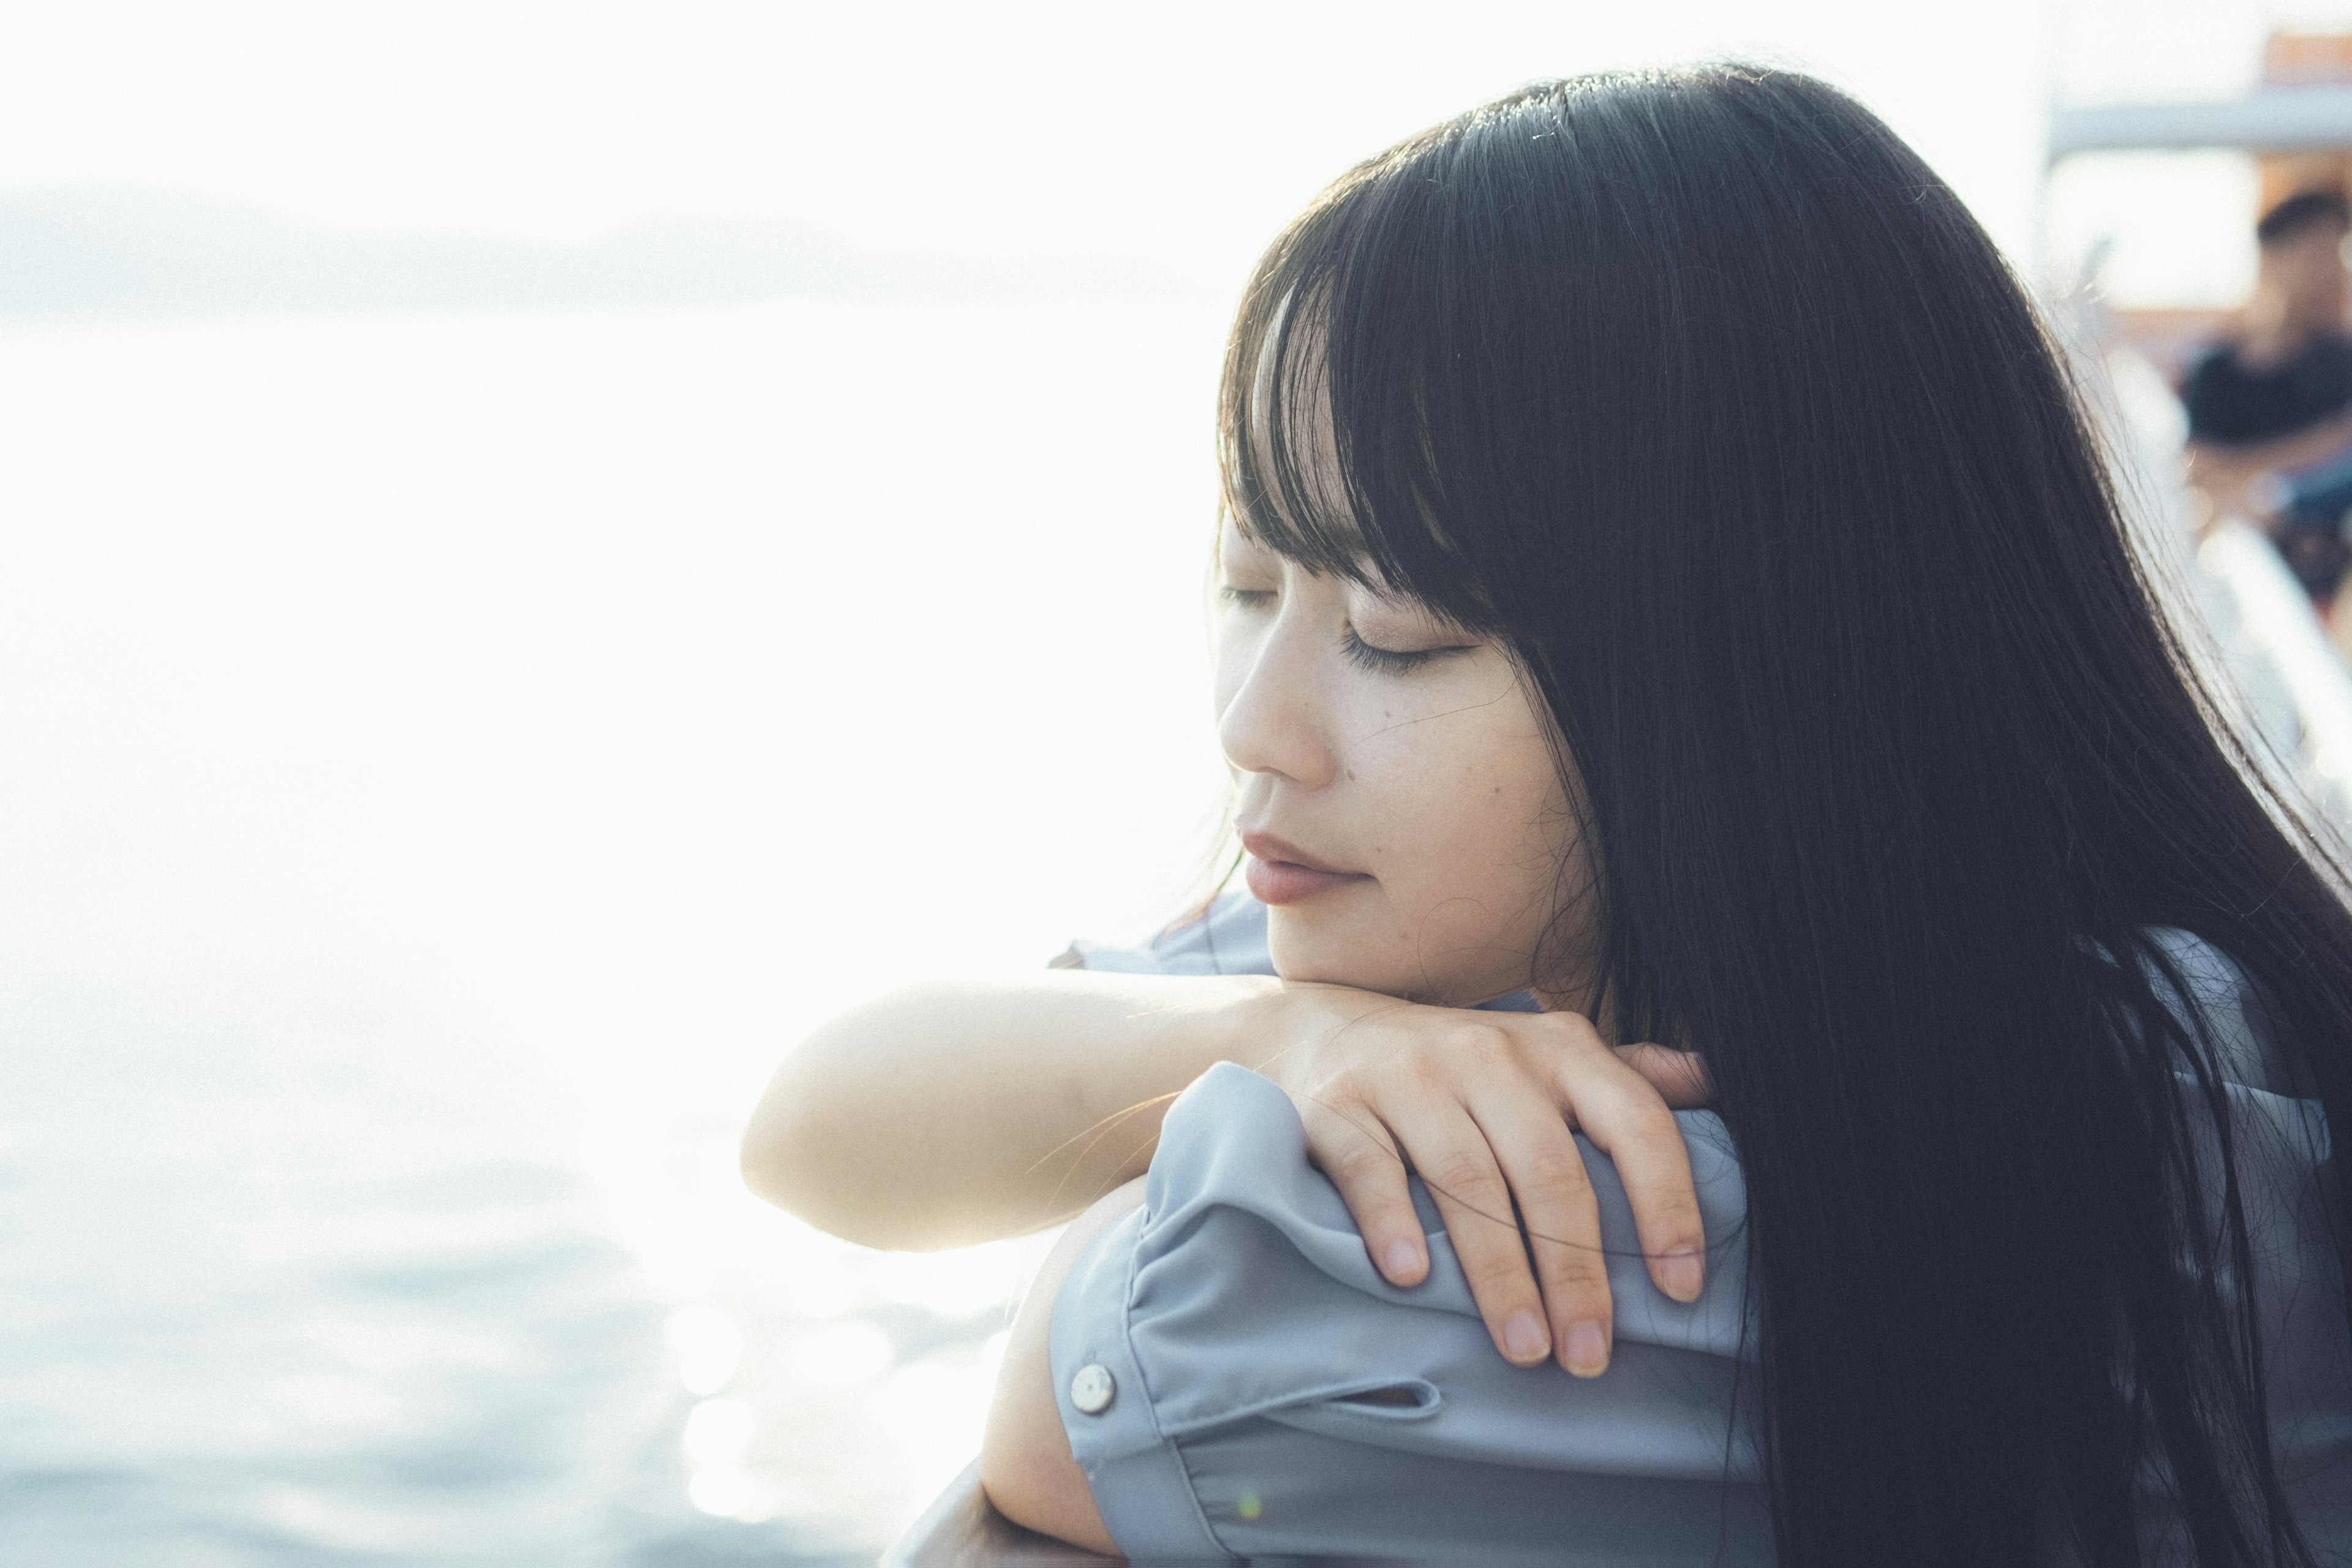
{"points": [[1390, 660], [1244, 598]]}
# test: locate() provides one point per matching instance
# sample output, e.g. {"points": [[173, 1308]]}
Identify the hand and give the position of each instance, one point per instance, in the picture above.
{"points": [[1484, 1107]]}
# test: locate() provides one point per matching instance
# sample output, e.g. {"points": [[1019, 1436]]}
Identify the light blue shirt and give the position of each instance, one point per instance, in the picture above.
{"points": [[1240, 1323]]}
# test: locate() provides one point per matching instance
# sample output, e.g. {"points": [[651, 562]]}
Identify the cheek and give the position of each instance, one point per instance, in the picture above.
{"points": [[1475, 820], [1468, 853]]}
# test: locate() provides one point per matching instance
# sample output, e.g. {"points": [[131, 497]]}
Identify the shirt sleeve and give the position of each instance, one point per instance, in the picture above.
{"points": [[1236, 1379], [1228, 937]]}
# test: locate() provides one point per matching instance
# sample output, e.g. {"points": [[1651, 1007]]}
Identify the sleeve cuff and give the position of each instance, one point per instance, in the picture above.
{"points": [[1140, 1485]]}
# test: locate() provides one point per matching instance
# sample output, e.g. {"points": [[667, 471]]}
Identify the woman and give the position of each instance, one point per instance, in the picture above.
{"points": [[1667, 570]]}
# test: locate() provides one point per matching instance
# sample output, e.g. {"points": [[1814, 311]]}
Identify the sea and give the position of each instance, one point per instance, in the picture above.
{"points": [[447, 761]]}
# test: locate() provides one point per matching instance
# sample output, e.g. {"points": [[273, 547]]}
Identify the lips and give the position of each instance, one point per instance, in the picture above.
{"points": [[1279, 872]]}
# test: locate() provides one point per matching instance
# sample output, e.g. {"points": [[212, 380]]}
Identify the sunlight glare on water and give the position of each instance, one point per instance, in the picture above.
{"points": [[450, 758]]}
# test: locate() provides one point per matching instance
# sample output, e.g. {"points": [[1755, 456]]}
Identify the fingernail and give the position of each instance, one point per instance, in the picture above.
{"points": [[1524, 1338], [1680, 1274], [1401, 1261], [1587, 1350]]}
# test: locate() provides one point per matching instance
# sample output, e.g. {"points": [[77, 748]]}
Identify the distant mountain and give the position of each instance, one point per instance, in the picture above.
{"points": [[97, 252]]}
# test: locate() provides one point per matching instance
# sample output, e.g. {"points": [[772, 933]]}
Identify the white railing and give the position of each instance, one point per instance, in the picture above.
{"points": [[2276, 619]]}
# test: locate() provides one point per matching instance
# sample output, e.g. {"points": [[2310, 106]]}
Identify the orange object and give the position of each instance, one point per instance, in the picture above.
{"points": [[2305, 60]]}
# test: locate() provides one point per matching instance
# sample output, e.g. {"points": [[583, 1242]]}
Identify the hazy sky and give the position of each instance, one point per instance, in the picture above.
{"points": [[1185, 132]]}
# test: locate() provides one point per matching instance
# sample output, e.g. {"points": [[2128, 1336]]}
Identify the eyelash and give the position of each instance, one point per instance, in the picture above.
{"points": [[1385, 660], [1360, 653]]}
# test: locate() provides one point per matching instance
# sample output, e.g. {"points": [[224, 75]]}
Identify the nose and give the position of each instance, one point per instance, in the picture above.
{"points": [[1271, 722]]}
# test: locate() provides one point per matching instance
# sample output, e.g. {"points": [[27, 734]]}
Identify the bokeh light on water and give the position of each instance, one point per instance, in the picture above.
{"points": [[449, 760]]}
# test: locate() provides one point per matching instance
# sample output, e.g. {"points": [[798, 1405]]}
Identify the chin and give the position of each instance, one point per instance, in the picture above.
{"points": [[1327, 952]]}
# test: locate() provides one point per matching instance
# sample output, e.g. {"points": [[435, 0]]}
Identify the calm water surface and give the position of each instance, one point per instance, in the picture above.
{"points": [[447, 761]]}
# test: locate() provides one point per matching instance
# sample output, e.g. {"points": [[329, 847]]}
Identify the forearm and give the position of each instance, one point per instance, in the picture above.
{"points": [[946, 1114]]}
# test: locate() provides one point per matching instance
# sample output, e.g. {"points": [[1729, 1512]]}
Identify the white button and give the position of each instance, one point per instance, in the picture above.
{"points": [[1092, 1389]]}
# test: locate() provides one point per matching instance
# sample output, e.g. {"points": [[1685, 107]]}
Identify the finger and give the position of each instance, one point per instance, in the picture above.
{"points": [[1679, 1076], [1349, 1145], [1619, 1109], [1546, 1171], [1459, 1169]]}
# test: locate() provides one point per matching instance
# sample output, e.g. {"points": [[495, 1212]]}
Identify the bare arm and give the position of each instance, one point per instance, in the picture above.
{"points": [[945, 1114], [1025, 1464]]}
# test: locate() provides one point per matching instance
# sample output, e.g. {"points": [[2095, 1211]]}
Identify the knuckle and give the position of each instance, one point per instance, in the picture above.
{"points": [[1498, 1274], [1484, 1042], [1577, 1294], [1620, 1100], [1668, 1216], [1557, 1166], [1462, 1174], [1573, 1029], [1357, 1155], [1423, 1074], [1684, 1232], [1674, 1211], [1336, 1086], [1648, 1118], [1583, 1269]]}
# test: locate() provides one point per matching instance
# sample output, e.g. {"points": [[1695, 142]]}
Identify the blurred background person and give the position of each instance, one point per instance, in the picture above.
{"points": [[2218, 348], [2277, 400]]}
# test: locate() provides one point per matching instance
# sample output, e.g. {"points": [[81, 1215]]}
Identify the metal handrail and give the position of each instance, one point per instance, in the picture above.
{"points": [[960, 1530]]}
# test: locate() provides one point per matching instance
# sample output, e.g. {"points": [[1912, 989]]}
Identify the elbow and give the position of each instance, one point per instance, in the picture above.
{"points": [[776, 1150], [816, 1158], [792, 1155]]}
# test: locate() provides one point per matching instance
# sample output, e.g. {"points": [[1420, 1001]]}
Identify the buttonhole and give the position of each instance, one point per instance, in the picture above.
{"points": [[1410, 1399], [1407, 1398]]}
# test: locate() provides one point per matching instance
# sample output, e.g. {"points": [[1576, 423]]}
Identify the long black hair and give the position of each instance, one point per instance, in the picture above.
{"points": [[1703, 394]]}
